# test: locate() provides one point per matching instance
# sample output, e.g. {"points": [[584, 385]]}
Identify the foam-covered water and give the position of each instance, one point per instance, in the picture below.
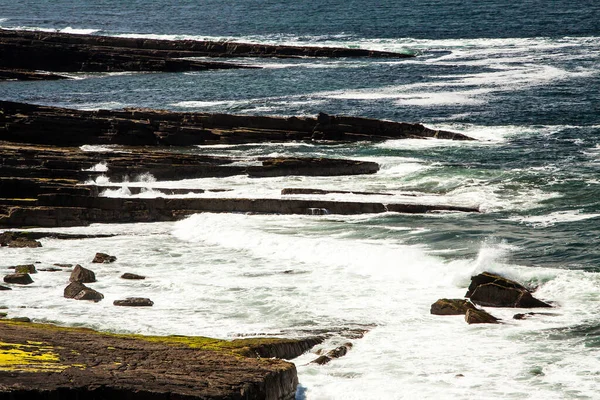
{"points": [[523, 80]]}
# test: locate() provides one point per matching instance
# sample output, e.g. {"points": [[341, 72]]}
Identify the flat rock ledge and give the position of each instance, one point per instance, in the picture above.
{"points": [[45, 361], [63, 52], [29, 123]]}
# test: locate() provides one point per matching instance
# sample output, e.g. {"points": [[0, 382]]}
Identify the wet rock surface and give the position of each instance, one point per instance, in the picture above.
{"points": [[78, 291], [103, 258], [82, 275], [134, 302], [451, 307], [54, 362], [474, 316], [19, 279], [129, 275], [488, 289]]}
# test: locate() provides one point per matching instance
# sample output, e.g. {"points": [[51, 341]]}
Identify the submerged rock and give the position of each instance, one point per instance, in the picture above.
{"points": [[128, 275], [134, 302], [474, 316], [82, 275], [4, 288], [493, 290], [20, 279], [104, 258], [335, 353], [451, 307], [78, 291]]}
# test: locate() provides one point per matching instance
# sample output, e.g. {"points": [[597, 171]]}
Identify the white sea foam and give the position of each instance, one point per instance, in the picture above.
{"points": [[79, 31], [100, 167], [551, 219]]}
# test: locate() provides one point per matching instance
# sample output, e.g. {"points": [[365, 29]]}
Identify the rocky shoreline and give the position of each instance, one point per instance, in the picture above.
{"points": [[48, 180]]}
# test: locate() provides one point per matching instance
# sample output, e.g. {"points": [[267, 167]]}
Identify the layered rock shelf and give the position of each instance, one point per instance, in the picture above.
{"points": [[64, 52], [42, 181], [27, 123], [45, 361]]}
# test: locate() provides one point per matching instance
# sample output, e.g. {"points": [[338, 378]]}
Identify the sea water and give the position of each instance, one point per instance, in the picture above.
{"points": [[522, 78]]}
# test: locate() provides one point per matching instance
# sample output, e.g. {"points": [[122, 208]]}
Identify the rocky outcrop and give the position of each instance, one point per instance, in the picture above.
{"points": [[134, 302], [79, 291], [103, 258], [63, 52], [311, 167], [28, 75], [332, 354], [474, 316], [13, 239], [128, 275], [451, 307], [55, 362], [19, 279], [82, 275], [493, 290], [27, 123]]}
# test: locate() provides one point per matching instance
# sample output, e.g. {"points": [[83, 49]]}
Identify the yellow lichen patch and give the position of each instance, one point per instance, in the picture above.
{"points": [[29, 358]]}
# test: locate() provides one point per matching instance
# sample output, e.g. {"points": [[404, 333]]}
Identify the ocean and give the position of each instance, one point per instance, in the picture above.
{"points": [[523, 79]]}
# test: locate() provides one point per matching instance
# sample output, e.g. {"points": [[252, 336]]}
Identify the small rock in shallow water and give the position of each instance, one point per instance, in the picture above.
{"points": [[451, 307], [134, 302], [82, 275], [104, 258], [78, 291], [21, 319], [4, 288], [128, 275], [24, 269], [480, 317], [21, 279]]}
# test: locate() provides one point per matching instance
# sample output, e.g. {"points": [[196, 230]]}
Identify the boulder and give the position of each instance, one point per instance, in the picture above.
{"points": [[104, 258], [134, 302], [493, 290], [451, 307], [128, 275], [82, 275], [78, 291], [12, 239], [4, 288], [24, 269], [480, 317], [21, 279]]}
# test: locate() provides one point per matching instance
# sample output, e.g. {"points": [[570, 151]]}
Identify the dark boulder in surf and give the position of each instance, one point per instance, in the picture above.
{"points": [[103, 258], [78, 291], [338, 352], [451, 307], [128, 275], [82, 275], [19, 279], [474, 316], [134, 302], [493, 290]]}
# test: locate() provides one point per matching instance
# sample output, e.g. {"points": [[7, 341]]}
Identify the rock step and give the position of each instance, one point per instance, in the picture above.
{"points": [[64, 210]]}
